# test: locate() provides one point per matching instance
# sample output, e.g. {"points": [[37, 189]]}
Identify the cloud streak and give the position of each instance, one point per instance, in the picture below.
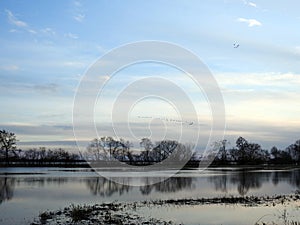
{"points": [[79, 16], [250, 22], [252, 4], [71, 35], [13, 19], [18, 23]]}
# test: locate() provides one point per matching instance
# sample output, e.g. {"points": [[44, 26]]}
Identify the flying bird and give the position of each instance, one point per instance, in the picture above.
{"points": [[235, 45]]}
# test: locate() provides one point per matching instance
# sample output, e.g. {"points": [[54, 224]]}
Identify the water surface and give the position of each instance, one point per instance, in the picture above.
{"points": [[24, 192]]}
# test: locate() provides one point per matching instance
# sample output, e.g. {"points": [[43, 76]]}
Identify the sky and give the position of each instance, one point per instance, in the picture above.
{"points": [[48, 46]]}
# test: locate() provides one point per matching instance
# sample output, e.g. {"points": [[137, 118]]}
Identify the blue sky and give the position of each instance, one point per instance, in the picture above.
{"points": [[47, 46]]}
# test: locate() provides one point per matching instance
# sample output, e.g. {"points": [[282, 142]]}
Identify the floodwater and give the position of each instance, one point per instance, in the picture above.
{"points": [[25, 192]]}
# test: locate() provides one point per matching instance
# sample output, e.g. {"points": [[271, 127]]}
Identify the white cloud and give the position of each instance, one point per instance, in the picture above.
{"points": [[13, 31], [274, 80], [78, 12], [48, 31], [250, 22], [79, 17], [13, 20], [71, 35], [18, 23], [252, 4], [10, 68], [264, 97], [74, 64]]}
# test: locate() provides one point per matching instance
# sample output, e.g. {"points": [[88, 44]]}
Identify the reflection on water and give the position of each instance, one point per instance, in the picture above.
{"points": [[22, 193], [244, 181], [172, 184], [7, 186], [223, 182], [292, 177], [105, 187]]}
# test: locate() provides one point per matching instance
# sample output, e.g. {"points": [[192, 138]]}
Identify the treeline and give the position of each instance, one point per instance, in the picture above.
{"points": [[39, 155], [112, 149], [246, 152], [108, 148]]}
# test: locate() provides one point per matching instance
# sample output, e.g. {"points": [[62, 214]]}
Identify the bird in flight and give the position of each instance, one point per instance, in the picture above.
{"points": [[235, 45]]}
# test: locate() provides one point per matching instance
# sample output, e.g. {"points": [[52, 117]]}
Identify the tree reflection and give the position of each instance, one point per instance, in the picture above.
{"points": [[243, 180], [105, 187], [172, 184], [7, 186], [220, 182], [291, 176]]}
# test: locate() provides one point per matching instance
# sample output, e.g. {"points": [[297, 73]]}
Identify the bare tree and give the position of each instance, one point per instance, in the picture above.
{"points": [[147, 144], [97, 149], [8, 142], [294, 151], [164, 148]]}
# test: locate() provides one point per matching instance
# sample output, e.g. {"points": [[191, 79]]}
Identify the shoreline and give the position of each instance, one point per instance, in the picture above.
{"points": [[125, 213]]}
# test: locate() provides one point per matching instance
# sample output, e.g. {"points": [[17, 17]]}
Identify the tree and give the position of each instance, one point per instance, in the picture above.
{"points": [[147, 144], [275, 152], [280, 156], [121, 149], [242, 145], [249, 152], [97, 149], [294, 150], [163, 149], [8, 142], [222, 152]]}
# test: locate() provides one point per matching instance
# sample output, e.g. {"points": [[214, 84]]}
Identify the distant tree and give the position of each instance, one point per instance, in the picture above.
{"points": [[280, 156], [163, 149], [8, 143], [121, 149], [249, 153], [97, 149], [242, 145], [222, 155], [294, 151], [275, 152], [182, 152], [147, 145], [108, 148]]}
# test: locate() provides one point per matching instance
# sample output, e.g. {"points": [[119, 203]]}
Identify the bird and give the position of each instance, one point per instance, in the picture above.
{"points": [[235, 45]]}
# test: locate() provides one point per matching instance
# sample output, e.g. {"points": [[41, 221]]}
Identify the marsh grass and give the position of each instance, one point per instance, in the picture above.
{"points": [[78, 212], [44, 216]]}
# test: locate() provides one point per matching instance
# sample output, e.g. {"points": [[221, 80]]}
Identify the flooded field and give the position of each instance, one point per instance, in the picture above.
{"points": [[26, 192]]}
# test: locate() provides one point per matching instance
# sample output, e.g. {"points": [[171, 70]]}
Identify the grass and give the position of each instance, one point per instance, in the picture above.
{"points": [[45, 216], [78, 212]]}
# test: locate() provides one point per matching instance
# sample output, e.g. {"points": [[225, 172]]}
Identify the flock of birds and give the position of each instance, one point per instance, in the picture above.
{"points": [[190, 123], [235, 45]]}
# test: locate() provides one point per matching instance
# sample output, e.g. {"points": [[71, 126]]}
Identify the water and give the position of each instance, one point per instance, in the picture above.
{"points": [[24, 192]]}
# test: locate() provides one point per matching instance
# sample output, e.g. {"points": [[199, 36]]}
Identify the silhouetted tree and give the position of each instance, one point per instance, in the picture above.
{"points": [[294, 150], [163, 149], [147, 145], [8, 142], [248, 153], [222, 155], [97, 149], [280, 156]]}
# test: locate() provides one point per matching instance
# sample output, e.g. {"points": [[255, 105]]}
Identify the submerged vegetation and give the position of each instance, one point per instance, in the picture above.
{"points": [[126, 213]]}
